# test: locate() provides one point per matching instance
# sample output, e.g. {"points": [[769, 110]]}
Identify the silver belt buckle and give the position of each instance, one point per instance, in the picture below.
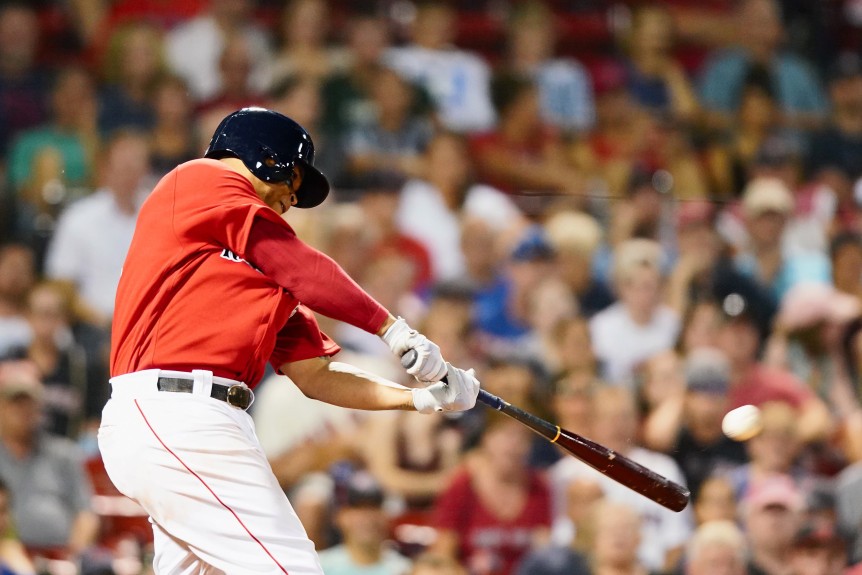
{"points": [[240, 396]]}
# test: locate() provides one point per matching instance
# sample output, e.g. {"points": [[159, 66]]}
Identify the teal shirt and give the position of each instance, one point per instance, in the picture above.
{"points": [[336, 561], [27, 147]]}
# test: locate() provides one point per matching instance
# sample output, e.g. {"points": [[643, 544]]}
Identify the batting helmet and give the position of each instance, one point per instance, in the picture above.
{"points": [[270, 145]]}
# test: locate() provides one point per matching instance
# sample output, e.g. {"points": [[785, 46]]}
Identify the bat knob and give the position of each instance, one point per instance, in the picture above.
{"points": [[409, 358]]}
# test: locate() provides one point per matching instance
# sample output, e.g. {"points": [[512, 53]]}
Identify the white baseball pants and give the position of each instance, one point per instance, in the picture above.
{"points": [[195, 465]]}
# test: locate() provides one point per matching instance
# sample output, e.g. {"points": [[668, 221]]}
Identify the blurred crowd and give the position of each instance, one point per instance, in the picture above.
{"points": [[629, 216]]}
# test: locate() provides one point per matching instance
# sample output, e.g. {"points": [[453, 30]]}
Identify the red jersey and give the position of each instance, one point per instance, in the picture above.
{"points": [[187, 299], [489, 544]]}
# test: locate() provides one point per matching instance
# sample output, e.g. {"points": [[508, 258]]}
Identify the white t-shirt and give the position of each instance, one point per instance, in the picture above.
{"points": [[423, 215], [621, 344], [89, 248], [457, 81], [662, 529]]}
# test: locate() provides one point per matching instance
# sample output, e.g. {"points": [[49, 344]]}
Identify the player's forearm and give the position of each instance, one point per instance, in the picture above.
{"points": [[312, 277], [344, 385]]}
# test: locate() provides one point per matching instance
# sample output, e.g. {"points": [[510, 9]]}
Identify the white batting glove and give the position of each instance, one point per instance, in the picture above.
{"points": [[429, 365], [457, 393]]}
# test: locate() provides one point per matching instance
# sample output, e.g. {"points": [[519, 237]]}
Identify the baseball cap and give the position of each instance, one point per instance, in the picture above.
{"points": [[707, 370], [533, 246], [20, 378], [774, 491], [363, 490], [763, 195]]}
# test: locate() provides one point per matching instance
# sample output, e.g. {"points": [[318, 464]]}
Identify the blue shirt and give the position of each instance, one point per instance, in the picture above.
{"points": [[802, 268]]}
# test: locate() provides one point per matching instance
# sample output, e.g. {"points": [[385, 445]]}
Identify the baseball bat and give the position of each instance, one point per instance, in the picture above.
{"points": [[616, 466]]}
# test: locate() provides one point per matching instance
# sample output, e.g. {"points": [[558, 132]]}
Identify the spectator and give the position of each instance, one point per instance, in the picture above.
{"points": [[717, 548], [688, 425], [458, 81], [194, 47], [646, 211], [94, 234], [380, 201], [236, 90], [767, 206], [17, 276], [48, 164], [618, 528], [809, 333], [521, 155], [472, 525], [612, 149], [363, 525], [346, 94], [132, 66], [759, 44], [638, 325], [655, 80], [771, 518], [571, 350], [436, 564], [753, 382], [503, 308], [173, 138], [663, 532], [839, 145], [23, 83], [565, 88], [52, 515], [732, 153], [659, 378], [576, 238], [715, 500], [304, 52], [818, 550], [413, 458], [13, 557], [557, 560], [774, 450], [73, 372], [393, 140], [432, 209]]}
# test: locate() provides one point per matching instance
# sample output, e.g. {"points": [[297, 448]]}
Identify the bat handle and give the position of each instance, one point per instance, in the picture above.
{"points": [[489, 399]]}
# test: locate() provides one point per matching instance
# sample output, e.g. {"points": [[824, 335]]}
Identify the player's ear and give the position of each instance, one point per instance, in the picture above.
{"points": [[293, 198]]}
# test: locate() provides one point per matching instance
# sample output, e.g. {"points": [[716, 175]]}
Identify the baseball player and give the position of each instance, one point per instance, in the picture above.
{"points": [[216, 284]]}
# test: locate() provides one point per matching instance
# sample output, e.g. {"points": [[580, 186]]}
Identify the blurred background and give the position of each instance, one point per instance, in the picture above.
{"points": [[629, 216]]}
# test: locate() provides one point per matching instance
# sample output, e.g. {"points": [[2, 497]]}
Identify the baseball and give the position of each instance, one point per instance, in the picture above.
{"points": [[742, 423]]}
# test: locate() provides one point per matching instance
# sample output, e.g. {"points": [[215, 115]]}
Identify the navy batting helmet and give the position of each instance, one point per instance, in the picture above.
{"points": [[270, 145]]}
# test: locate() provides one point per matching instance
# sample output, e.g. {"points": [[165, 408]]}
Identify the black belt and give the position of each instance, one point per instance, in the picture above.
{"points": [[236, 395]]}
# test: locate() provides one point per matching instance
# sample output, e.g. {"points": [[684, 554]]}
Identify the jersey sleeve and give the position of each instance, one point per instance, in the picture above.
{"points": [[215, 205], [300, 339]]}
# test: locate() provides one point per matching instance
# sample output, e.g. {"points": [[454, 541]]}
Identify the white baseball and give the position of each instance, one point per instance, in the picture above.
{"points": [[742, 423]]}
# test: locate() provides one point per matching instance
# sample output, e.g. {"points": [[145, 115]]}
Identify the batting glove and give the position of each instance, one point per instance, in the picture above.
{"points": [[429, 364], [457, 393]]}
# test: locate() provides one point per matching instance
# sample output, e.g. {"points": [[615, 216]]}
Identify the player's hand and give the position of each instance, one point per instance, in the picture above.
{"points": [[457, 393], [429, 365]]}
